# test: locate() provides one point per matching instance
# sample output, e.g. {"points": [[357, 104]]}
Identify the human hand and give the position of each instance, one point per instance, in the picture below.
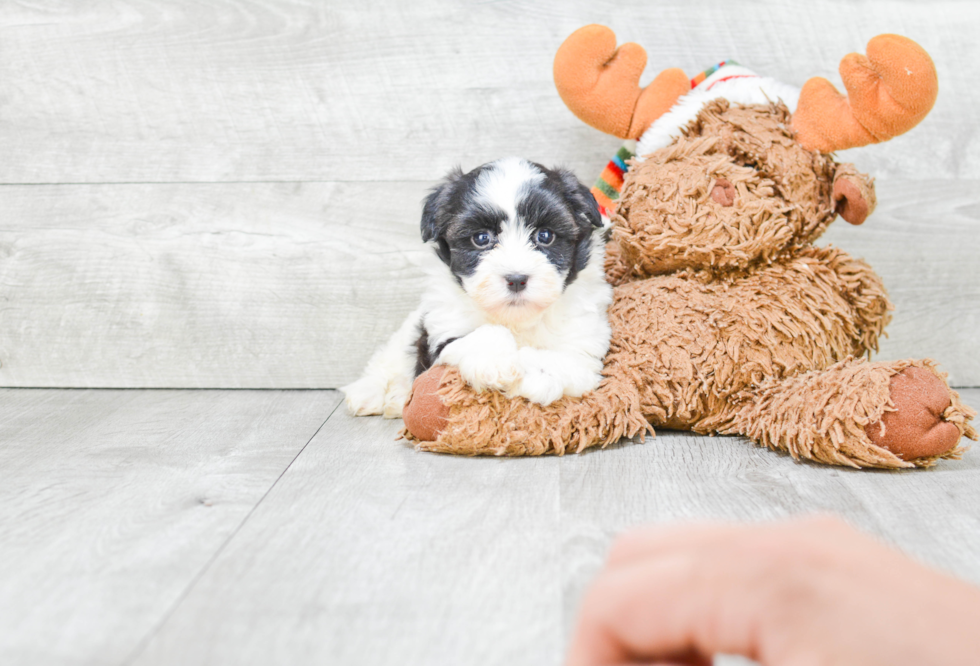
{"points": [[801, 593]]}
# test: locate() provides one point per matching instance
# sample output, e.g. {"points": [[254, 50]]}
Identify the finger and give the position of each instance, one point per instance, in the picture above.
{"points": [[670, 605], [645, 542], [688, 659]]}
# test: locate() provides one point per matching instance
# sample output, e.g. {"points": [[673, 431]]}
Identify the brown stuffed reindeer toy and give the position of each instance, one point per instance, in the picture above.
{"points": [[726, 318]]}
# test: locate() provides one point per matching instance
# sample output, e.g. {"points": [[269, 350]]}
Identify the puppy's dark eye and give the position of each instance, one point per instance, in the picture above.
{"points": [[482, 239], [544, 237]]}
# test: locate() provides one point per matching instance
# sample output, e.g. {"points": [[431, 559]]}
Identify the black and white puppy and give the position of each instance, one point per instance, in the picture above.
{"points": [[518, 302]]}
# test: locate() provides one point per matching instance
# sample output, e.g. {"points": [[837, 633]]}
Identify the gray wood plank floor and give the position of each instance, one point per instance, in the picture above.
{"points": [[113, 502], [259, 527]]}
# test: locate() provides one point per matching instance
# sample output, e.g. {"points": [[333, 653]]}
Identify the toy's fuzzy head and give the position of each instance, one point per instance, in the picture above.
{"points": [[735, 189], [513, 233], [740, 184]]}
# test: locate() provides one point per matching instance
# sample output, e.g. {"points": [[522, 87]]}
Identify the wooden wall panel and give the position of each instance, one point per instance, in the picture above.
{"points": [[924, 242], [238, 285], [296, 90], [294, 285], [226, 194]]}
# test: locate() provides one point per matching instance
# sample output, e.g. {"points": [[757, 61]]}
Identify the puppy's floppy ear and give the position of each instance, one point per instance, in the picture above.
{"points": [[587, 217], [435, 217], [583, 203]]}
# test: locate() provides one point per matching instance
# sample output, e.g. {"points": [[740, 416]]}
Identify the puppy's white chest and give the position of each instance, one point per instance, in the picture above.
{"points": [[536, 336]]}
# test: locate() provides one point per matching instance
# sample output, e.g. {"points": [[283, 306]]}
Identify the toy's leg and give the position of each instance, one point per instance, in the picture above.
{"points": [[925, 419], [855, 413], [446, 415]]}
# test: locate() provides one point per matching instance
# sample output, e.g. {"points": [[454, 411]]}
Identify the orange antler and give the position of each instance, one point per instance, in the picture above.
{"points": [[599, 83], [889, 92]]}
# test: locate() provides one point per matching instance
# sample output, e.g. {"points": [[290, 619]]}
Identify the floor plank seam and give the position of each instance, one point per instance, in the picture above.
{"points": [[143, 644]]}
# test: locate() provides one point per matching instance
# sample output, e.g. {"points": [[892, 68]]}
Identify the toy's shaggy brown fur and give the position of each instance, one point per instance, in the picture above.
{"points": [[726, 318]]}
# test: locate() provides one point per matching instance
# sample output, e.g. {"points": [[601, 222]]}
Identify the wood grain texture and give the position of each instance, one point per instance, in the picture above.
{"points": [[924, 242], [226, 194], [231, 282], [240, 285], [384, 90], [139, 527], [368, 552], [293, 285], [112, 502]]}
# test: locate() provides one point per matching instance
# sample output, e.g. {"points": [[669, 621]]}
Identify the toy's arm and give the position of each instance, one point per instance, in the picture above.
{"points": [[445, 414], [599, 83], [889, 92], [853, 194]]}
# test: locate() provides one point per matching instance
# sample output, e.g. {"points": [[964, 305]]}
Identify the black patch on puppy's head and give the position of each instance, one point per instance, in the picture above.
{"points": [[452, 215], [564, 205]]}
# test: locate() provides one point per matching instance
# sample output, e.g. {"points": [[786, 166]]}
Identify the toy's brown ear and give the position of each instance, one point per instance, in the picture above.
{"points": [[853, 194], [599, 83], [889, 92]]}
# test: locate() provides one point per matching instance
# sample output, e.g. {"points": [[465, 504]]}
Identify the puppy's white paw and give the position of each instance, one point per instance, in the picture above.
{"points": [[486, 358], [549, 375], [539, 386], [366, 396], [500, 374]]}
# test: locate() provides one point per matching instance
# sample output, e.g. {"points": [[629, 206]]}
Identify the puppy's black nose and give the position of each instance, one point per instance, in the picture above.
{"points": [[516, 282]]}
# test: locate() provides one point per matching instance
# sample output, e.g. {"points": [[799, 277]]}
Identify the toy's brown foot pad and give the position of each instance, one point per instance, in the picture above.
{"points": [[425, 415], [916, 428]]}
